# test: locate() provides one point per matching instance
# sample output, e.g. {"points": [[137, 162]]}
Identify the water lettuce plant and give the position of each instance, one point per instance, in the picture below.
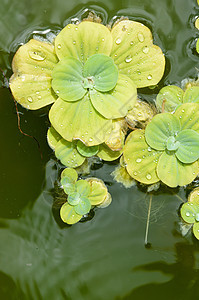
{"points": [[82, 195], [190, 211], [170, 97], [90, 73], [168, 150], [73, 154]]}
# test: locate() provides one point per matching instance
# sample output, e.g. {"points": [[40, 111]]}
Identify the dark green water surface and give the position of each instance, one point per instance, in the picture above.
{"points": [[104, 258]]}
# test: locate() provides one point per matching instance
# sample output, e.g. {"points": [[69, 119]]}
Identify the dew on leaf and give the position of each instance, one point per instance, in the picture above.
{"points": [[29, 99], [59, 46], [138, 160], [140, 37], [128, 59], [118, 41], [145, 49], [149, 77], [148, 176], [37, 55]]}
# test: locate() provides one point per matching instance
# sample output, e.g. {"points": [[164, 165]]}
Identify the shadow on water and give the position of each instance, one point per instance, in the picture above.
{"points": [[184, 283]]}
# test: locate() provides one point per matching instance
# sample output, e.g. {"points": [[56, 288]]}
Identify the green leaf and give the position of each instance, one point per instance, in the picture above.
{"points": [[67, 153], [68, 214], [79, 120], [194, 196], [107, 201], [83, 187], [188, 212], [191, 95], [70, 174], [197, 46], [196, 230], [141, 160], [31, 82], [135, 55], [73, 197], [116, 103], [107, 154], [53, 137], [98, 191], [160, 129], [68, 179], [101, 71], [67, 79], [172, 144], [188, 115], [171, 96], [83, 40], [188, 150], [87, 151], [173, 173], [83, 207]]}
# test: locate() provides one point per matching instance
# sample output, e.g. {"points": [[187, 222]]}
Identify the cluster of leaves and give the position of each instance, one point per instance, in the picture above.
{"points": [[168, 149], [190, 211], [82, 195]]}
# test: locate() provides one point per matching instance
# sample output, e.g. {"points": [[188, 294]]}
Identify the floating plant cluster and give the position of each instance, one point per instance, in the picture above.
{"points": [[90, 74]]}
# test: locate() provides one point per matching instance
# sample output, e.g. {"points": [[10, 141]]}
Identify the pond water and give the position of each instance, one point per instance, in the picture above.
{"points": [[105, 257]]}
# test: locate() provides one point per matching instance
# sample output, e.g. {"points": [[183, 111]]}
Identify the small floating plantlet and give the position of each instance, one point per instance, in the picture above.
{"points": [[168, 150], [190, 211], [170, 97], [82, 195]]}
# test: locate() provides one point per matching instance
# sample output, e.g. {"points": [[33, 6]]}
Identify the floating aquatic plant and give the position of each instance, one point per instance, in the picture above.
{"points": [[82, 195], [190, 211], [170, 97], [73, 154], [90, 72], [167, 150]]}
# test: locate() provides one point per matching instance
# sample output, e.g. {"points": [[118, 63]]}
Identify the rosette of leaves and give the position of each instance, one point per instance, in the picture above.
{"points": [[170, 97], [90, 73], [82, 195], [190, 211], [73, 154], [168, 149]]}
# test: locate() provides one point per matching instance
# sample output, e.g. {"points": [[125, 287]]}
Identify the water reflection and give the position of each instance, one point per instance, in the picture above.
{"points": [[185, 277]]}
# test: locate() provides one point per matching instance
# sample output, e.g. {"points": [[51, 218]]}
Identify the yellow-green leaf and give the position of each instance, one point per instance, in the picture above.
{"points": [[141, 160], [79, 120], [83, 40], [188, 115], [134, 53], [68, 214], [98, 191], [107, 154], [53, 137], [31, 82]]}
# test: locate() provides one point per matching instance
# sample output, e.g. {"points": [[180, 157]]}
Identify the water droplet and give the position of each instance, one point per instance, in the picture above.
{"points": [[145, 49], [37, 93], [135, 173], [57, 91], [37, 55], [187, 214], [180, 117], [102, 40], [90, 140], [115, 55], [61, 125], [128, 59], [59, 46], [140, 37], [23, 77], [29, 99], [138, 160], [148, 176], [182, 110], [76, 28], [149, 77], [68, 26], [39, 97], [149, 149], [131, 43], [118, 41], [124, 28], [74, 42]]}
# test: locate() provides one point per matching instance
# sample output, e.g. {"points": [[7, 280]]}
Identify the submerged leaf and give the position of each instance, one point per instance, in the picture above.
{"points": [[134, 53], [83, 40]]}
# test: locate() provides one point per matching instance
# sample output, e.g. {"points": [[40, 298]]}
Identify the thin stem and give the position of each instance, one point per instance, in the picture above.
{"points": [[148, 220]]}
